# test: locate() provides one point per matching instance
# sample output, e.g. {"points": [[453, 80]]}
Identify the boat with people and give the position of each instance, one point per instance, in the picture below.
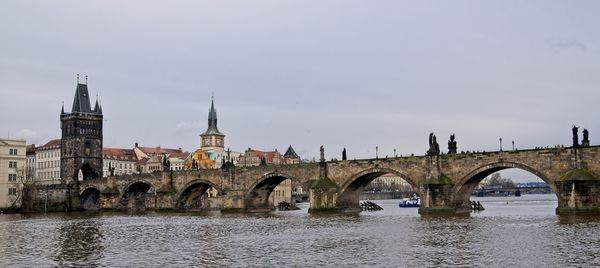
{"points": [[412, 202]]}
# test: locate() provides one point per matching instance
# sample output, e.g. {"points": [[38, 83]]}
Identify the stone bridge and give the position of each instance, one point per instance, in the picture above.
{"points": [[444, 182]]}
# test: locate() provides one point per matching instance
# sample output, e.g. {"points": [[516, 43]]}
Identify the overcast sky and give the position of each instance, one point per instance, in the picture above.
{"points": [[354, 74]]}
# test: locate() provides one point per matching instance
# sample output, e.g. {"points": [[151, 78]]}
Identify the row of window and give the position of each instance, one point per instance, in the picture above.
{"points": [[48, 175], [49, 164], [207, 142], [121, 166], [12, 151], [48, 154], [82, 131], [278, 193]]}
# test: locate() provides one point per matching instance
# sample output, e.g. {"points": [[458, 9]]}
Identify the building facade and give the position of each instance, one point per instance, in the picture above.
{"points": [[253, 157], [81, 145], [152, 159], [30, 162], [281, 193], [391, 183], [47, 163], [12, 172], [117, 161]]}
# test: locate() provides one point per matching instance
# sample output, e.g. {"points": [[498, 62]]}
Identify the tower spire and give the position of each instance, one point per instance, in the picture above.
{"points": [[62, 110]]}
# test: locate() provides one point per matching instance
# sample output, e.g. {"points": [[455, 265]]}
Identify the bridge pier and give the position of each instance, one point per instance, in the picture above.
{"points": [[233, 201], [578, 192], [437, 197], [324, 195]]}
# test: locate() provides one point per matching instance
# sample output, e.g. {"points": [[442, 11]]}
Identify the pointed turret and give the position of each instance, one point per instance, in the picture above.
{"points": [[97, 108], [62, 110], [81, 102], [212, 121], [290, 153]]}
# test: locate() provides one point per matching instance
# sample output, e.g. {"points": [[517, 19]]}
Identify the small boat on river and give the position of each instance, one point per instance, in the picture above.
{"points": [[413, 202]]}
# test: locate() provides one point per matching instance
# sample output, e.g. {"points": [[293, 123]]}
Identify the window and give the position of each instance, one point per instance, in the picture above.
{"points": [[12, 151], [88, 148], [12, 177], [12, 164], [12, 191]]}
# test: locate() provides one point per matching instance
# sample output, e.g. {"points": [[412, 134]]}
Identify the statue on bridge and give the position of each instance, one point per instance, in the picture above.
{"points": [[344, 158], [586, 141], [434, 147], [575, 130], [452, 145]]}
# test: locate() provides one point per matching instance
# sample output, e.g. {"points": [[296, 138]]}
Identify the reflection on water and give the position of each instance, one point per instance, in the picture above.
{"points": [[521, 232], [80, 242]]}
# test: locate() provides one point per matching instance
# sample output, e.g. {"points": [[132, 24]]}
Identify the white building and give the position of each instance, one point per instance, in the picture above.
{"points": [[30, 162], [12, 172], [122, 161], [47, 163]]}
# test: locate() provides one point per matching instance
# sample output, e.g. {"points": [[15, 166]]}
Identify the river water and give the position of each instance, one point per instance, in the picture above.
{"points": [[511, 232]]}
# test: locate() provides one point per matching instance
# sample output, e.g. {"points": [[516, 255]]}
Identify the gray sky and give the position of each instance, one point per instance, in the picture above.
{"points": [[354, 74]]}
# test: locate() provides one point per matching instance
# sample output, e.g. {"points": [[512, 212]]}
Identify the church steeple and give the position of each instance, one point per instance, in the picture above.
{"points": [[212, 120], [212, 139]]}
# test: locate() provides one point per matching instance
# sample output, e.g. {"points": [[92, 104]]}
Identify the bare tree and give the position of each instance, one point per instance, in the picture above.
{"points": [[497, 180], [20, 183]]}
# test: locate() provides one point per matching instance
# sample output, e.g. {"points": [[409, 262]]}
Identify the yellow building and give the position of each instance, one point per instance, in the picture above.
{"points": [[199, 160]]}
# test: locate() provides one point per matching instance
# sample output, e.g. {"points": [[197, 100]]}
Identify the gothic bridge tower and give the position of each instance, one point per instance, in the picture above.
{"points": [[81, 143]]}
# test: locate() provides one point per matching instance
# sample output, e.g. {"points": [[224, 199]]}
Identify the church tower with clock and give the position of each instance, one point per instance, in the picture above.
{"points": [[212, 140]]}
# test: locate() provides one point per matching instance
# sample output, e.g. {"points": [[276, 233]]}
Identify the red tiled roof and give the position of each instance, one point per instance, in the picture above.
{"points": [[119, 154], [53, 144], [158, 150], [269, 155], [183, 155]]}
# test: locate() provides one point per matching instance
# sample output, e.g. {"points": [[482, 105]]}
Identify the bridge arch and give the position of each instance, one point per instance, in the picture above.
{"points": [[350, 191], [463, 188], [258, 194], [89, 198], [135, 195], [190, 197]]}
